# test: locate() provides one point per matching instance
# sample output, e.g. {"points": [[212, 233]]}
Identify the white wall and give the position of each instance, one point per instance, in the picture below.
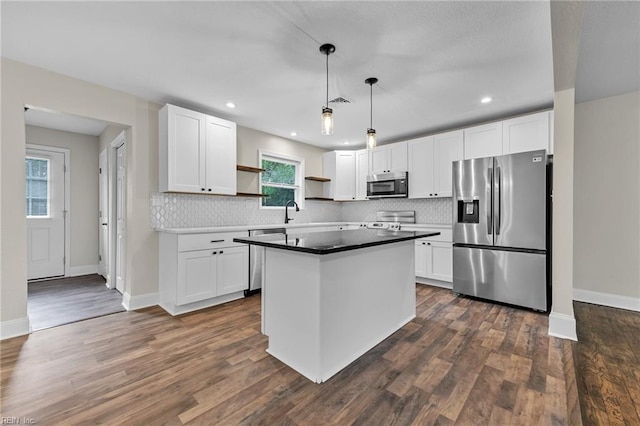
{"points": [[84, 191], [27, 85], [607, 196]]}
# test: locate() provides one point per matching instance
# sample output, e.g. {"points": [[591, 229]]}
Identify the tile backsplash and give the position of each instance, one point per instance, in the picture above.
{"points": [[170, 210]]}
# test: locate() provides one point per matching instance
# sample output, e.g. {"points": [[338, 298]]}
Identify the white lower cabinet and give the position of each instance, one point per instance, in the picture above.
{"points": [[201, 270], [434, 257]]}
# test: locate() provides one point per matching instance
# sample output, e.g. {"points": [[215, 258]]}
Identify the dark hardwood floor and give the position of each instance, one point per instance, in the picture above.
{"points": [[607, 357], [65, 300], [459, 362]]}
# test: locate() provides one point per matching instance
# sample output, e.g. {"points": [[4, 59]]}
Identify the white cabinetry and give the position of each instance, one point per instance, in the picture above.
{"points": [[348, 172], [201, 270], [526, 133], [197, 152], [430, 164], [483, 141], [340, 167], [362, 171], [389, 158], [434, 257]]}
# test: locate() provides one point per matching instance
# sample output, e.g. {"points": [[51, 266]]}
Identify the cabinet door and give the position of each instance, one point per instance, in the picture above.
{"points": [[483, 141], [421, 162], [362, 171], [447, 148], [440, 261], [196, 276], [528, 133], [233, 270], [379, 160], [345, 179], [220, 156], [421, 258], [185, 146], [397, 154]]}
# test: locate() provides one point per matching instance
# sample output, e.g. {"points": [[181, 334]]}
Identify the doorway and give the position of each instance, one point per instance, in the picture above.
{"points": [[47, 183]]}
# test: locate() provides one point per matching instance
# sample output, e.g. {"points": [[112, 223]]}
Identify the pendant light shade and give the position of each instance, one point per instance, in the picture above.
{"points": [[327, 113], [371, 133]]}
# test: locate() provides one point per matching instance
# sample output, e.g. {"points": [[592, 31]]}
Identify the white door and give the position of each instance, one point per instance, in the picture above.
{"points": [[121, 231], [45, 199], [103, 216]]}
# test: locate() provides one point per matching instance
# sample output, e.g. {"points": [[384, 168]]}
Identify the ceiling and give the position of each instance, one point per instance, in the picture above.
{"points": [[434, 60]]}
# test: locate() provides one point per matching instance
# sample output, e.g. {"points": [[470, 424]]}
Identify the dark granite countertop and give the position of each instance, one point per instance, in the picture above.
{"points": [[332, 241]]}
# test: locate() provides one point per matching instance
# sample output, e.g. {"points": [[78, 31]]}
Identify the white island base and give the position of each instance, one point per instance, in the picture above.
{"points": [[322, 312]]}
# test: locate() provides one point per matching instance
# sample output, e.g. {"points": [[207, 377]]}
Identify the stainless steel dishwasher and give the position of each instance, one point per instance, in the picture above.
{"points": [[256, 258]]}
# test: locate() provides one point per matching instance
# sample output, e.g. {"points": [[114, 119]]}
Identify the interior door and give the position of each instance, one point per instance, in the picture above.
{"points": [[121, 231], [45, 209], [103, 216]]}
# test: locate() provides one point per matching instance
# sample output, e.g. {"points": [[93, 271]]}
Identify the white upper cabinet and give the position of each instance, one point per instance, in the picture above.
{"points": [[389, 158], [483, 141], [430, 164], [197, 152], [362, 171], [447, 148], [527, 133], [340, 167], [421, 161]]}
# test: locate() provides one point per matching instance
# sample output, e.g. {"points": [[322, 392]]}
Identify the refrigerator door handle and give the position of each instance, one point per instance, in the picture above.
{"points": [[498, 208], [489, 203]]}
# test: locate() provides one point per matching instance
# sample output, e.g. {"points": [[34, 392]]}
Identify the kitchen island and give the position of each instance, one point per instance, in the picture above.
{"points": [[329, 297]]}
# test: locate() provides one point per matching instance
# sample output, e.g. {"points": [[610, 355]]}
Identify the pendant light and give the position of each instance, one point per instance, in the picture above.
{"points": [[327, 113], [371, 133]]}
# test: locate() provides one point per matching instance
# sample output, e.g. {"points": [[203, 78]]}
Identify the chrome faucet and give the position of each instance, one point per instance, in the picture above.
{"points": [[286, 210]]}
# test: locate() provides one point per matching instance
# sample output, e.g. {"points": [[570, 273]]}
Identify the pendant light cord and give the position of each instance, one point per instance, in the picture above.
{"points": [[371, 106], [327, 104]]}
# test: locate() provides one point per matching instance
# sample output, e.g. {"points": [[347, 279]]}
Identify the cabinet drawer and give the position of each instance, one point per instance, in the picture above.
{"points": [[190, 242]]}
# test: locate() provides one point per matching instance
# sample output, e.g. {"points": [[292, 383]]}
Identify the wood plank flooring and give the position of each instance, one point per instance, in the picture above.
{"points": [[607, 357], [459, 362], [66, 300]]}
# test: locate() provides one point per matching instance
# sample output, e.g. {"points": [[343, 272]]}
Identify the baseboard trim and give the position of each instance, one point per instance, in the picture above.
{"points": [[562, 326], [607, 299], [76, 271], [14, 328], [434, 283], [131, 303]]}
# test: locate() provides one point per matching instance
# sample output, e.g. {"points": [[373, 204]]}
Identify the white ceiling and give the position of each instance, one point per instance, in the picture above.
{"points": [[434, 60]]}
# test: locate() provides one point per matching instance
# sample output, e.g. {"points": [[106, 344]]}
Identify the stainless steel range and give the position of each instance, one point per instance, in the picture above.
{"points": [[392, 219]]}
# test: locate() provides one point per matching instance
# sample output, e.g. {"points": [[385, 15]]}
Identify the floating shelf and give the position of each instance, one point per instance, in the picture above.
{"points": [[319, 198], [250, 169], [317, 179], [250, 194]]}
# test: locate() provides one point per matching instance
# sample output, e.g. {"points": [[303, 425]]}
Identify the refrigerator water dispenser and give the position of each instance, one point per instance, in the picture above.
{"points": [[468, 211]]}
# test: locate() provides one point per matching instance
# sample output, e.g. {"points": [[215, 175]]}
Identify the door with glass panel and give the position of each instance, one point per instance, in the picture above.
{"points": [[45, 209]]}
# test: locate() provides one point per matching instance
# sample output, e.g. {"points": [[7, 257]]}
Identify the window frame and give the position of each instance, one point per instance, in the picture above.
{"points": [[47, 198], [298, 186]]}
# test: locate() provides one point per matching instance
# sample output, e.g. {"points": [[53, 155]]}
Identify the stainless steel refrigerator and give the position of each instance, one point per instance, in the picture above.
{"points": [[500, 228]]}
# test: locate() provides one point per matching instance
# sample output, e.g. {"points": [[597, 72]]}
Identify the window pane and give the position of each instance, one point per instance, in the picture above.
{"points": [[275, 172], [37, 186], [277, 196]]}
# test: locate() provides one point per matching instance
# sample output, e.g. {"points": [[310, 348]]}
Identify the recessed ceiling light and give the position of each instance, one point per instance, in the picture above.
{"points": [[486, 99], [294, 134], [230, 105], [346, 142]]}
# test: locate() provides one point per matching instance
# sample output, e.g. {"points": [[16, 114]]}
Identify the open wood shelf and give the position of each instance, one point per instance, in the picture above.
{"points": [[250, 194], [250, 169], [317, 179], [319, 198]]}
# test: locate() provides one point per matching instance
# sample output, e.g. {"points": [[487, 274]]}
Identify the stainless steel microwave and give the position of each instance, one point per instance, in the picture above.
{"points": [[387, 185]]}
